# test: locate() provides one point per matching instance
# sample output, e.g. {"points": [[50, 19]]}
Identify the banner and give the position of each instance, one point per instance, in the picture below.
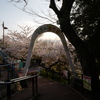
{"points": [[87, 82]]}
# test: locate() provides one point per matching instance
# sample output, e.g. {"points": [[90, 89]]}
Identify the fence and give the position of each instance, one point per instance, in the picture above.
{"points": [[76, 81], [79, 83]]}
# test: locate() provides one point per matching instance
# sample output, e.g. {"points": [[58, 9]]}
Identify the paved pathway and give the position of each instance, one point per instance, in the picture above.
{"points": [[49, 90]]}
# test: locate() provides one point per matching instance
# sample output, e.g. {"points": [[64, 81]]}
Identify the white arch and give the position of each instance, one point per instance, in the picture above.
{"points": [[39, 31]]}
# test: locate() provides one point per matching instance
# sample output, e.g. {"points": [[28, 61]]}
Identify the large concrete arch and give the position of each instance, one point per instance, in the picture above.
{"points": [[39, 31]]}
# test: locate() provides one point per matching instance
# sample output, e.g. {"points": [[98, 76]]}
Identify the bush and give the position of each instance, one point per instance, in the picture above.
{"points": [[53, 76]]}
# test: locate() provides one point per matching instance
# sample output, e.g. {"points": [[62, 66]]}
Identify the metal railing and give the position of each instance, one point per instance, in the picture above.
{"points": [[78, 84], [8, 83], [77, 81], [10, 70]]}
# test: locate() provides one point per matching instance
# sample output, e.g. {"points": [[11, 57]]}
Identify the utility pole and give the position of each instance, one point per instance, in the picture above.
{"points": [[3, 31]]}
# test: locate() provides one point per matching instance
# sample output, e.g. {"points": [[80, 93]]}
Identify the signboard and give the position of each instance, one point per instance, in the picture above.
{"points": [[87, 82]]}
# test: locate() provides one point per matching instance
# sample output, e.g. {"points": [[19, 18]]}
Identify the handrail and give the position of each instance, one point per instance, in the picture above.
{"points": [[22, 78], [5, 83], [12, 81], [6, 65], [17, 79]]}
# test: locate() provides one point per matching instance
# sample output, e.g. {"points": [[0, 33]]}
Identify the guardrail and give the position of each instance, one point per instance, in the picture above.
{"points": [[12, 81]]}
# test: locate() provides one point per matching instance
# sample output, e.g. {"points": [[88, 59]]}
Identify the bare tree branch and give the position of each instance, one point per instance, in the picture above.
{"points": [[18, 1], [48, 17], [31, 12]]}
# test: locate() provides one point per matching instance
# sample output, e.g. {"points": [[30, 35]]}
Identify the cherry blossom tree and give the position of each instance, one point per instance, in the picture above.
{"points": [[18, 42]]}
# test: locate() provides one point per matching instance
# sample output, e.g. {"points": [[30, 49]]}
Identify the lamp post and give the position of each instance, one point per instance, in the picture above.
{"points": [[3, 30]]}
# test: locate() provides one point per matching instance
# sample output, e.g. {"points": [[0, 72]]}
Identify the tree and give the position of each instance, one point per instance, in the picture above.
{"points": [[86, 57], [50, 51], [17, 43], [86, 22], [89, 21]]}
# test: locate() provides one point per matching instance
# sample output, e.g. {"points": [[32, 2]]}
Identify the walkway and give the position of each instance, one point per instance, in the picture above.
{"points": [[49, 90]]}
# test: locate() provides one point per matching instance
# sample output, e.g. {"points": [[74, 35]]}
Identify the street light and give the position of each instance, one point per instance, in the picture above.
{"points": [[3, 30]]}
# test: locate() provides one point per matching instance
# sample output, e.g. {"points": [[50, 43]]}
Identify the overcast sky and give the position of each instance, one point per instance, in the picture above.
{"points": [[12, 16]]}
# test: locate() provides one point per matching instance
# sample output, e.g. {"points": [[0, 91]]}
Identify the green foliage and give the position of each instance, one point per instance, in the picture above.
{"points": [[59, 67], [86, 22], [53, 76], [86, 16]]}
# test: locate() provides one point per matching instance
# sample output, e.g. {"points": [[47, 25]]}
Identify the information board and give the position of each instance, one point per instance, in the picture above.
{"points": [[87, 82]]}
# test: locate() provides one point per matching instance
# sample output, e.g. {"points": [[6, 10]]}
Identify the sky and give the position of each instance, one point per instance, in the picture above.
{"points": [[12, 16]]}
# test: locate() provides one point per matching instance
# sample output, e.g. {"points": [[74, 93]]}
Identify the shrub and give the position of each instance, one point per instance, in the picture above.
{"points": [[53, 76]]}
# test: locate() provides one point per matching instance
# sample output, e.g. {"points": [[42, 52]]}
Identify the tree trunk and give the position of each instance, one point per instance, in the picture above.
{"points": [[86, 58]]}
